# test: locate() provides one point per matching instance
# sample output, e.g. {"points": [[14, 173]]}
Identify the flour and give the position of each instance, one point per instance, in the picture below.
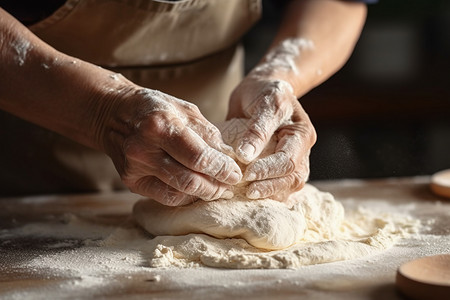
{"points": [[21, 48], [308, 228], [284, 56], [120, 263], [115, 76], [323, 237]]}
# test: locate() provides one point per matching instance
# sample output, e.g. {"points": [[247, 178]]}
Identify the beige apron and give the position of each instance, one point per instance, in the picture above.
{"points": [[185, 48]]}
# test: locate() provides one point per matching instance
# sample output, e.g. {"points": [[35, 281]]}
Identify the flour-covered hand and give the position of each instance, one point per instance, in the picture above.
{"points": [[272, 109], [164, 149]]}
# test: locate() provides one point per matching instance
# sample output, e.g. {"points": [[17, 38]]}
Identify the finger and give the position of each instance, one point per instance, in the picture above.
{"points": [[280, 188], [256, 137], [174, 174], [276, 188], [212, 136], [205, 129], [276, 165], [232, 130], [157, 190], [271, 114], [289, 150], [192, 183], [188, 148]]}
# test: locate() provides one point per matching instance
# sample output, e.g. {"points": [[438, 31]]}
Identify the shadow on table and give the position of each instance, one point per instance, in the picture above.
{"points": [[386, 291]]}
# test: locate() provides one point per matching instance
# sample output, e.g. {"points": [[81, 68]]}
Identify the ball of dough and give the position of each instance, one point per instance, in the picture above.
{"points": [[265, 224]]}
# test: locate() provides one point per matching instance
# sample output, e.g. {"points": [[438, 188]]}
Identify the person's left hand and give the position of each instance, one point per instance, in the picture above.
{"points": [[272, 108]]}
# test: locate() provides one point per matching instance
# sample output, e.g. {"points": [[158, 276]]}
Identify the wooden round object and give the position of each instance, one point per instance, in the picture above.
{"points": [[425, 278], [440, 183]]}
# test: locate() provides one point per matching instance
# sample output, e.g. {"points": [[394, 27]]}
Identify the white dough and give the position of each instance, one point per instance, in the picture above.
{"points": [[265, 224]]}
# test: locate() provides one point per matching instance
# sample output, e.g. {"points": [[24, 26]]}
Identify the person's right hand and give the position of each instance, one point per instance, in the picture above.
{"points": [[164, 148]]}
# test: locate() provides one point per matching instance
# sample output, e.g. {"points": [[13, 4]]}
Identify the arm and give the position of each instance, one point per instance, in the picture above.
{"points": [[47, 87], [329, 30], [315, 39], [162, 146]]}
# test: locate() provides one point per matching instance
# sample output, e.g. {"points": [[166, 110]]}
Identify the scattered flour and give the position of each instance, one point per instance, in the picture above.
{"points": [[122, 261], [21, 48], [60, 266], [284, 56]]}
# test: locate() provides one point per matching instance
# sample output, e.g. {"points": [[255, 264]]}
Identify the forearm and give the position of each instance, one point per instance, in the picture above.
{"points": [[315, 39], [49, 88]]}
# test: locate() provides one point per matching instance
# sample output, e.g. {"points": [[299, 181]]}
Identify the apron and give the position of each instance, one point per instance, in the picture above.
{"points": [[188, 49]]}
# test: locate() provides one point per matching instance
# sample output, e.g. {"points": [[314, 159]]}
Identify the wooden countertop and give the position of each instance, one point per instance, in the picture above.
{"points": [[41, 257]]}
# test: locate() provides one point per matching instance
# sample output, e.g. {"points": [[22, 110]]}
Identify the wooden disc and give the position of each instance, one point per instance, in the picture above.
{"points": [[425, 278], [440, 183]]}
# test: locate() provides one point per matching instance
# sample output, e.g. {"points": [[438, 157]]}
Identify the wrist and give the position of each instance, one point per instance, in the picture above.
{"points": [[110, 110], [288, 62], [272, 81]]}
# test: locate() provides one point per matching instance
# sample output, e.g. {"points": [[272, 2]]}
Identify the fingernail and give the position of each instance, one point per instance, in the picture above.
{"points": [[253, 194], [251, 176], [247, 151], [234, 177], [227, 195]]}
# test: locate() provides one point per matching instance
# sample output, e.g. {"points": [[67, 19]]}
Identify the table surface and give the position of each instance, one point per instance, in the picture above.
{"points": [[44, 255]]}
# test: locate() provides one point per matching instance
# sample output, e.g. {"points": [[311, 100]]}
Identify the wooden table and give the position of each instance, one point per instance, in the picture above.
{"points": [[44, 254]]}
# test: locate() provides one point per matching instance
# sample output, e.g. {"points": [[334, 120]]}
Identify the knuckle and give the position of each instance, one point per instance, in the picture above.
{"points": [[185, 105], [157, 122], [191, 185], [297, 181], [266, 190], [195, 186], [290, 165], [282, 108], [192, 107], [222, 171], [140, 186], [270, 190], [213, 132], [134, 186], [213, 163], [220, 168], [257, 132], [280, 102], [260, 169], [216, 194], [202, 160], [286, 162]]}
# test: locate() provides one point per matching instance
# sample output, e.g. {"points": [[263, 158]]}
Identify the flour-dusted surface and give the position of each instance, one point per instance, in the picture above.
{"points": [[60, 258]]}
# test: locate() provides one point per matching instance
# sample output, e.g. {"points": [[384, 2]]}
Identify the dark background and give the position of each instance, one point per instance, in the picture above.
{"points": [[387, 112]]}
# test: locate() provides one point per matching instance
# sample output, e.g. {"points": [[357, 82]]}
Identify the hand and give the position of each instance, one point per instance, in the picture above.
{"points": [[272, 109], [165, 149]]}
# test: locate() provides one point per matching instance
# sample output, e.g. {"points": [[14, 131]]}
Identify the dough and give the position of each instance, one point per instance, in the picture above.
{"points": [[265, 224], [308, 228]]}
